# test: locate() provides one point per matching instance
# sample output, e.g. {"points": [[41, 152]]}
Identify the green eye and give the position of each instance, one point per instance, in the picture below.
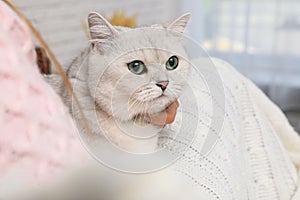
{"points": [[137, 67], [172, 63]]}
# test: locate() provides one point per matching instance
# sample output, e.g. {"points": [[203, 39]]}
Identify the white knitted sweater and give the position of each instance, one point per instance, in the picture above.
{"points": [[250, 158]]}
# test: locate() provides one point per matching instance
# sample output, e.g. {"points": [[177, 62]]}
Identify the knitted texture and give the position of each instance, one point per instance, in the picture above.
{"points": [[248, 160]]}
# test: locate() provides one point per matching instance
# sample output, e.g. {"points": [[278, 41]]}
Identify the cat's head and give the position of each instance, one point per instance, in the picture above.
{"points": [[136, 71]]}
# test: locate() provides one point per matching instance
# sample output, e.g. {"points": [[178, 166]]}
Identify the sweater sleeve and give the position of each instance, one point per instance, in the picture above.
{"points": [[288, 136]]}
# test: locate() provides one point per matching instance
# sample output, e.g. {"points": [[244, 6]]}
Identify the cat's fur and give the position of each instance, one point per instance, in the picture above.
{"points": [[112, 97]]}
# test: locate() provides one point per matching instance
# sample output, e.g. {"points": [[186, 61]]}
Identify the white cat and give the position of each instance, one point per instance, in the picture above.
{"points": [[123, 76]]}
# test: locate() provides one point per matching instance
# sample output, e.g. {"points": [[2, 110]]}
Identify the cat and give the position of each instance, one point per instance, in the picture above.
{"points": [[124, 75]]}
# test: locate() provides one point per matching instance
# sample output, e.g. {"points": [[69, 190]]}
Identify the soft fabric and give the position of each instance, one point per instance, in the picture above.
{"points": [[37, 135], [287, 135], [250, 159]]}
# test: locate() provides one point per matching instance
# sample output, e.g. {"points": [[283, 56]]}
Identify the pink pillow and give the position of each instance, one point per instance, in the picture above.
{"points": [[37, 135]]}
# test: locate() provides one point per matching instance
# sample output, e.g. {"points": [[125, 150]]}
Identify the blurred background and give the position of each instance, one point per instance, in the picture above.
{"points": [[261, 38]]}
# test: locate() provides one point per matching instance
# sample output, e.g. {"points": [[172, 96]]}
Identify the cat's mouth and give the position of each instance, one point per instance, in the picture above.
{"points": [[157, 99], [162, 95]]}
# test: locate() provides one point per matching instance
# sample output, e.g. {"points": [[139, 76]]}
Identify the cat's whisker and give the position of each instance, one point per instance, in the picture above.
{"points": [[150, 96], [131, 101], [137, 115], [143, 108], [146, 91], [139, 105], [131, 104]]}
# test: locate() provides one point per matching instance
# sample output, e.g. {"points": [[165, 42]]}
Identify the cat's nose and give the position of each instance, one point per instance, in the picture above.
{"points": [[162, 84]]}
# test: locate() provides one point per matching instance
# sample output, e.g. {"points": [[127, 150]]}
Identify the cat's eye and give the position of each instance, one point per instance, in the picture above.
{"points": [[137, 67], [172, 63]]}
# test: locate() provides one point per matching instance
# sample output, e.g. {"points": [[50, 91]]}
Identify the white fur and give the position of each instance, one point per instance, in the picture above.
{"points": [[113, 96]]}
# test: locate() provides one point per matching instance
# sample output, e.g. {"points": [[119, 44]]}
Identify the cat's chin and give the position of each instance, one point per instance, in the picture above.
{"points": [[153, 107], [122, 111], [160, 104]]}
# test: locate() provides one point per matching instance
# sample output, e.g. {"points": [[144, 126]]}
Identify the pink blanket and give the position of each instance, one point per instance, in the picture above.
{"points": [[37, 136]]}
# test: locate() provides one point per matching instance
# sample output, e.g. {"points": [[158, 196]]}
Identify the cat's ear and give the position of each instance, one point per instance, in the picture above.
{"points": [[180, 24], [100, 28]]}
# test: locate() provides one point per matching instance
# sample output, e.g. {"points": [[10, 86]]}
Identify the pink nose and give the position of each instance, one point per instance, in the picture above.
{"points": [[162, 84]]}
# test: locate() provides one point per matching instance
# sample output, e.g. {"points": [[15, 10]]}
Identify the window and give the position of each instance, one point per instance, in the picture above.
{"points": [[261, 38]]}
